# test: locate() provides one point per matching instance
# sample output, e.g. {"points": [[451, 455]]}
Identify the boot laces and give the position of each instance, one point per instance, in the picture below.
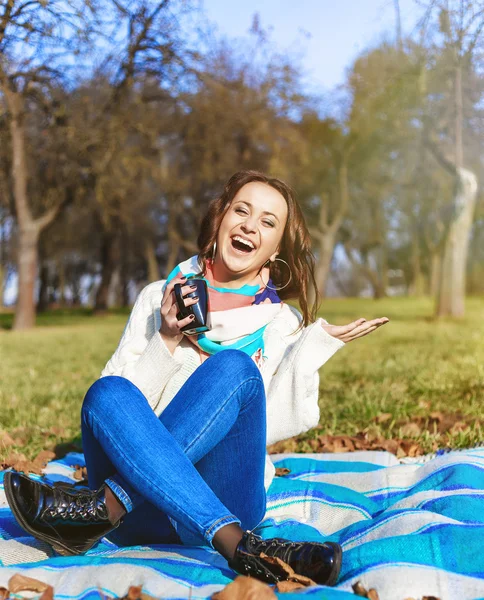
{"points": [[78, 506]]}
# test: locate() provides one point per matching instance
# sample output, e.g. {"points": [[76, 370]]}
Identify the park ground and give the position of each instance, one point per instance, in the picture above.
{"points": [[415, 379]]}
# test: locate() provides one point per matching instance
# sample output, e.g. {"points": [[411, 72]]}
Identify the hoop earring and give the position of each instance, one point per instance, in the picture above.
{"points": [[214, 250], [276, 289]]}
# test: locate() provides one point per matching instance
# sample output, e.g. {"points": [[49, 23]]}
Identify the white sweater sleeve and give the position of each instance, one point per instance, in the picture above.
{"points": [[292, 379], [141, 355]]}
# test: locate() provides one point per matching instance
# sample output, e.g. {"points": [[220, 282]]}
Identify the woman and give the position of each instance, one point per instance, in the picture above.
{"points": [[175, 444]]}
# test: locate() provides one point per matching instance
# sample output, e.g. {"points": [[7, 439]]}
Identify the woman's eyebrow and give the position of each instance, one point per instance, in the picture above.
{"points": [[264, 212]]}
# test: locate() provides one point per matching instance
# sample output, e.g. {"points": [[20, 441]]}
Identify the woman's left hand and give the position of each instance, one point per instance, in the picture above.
{"points": [[357, 329]]}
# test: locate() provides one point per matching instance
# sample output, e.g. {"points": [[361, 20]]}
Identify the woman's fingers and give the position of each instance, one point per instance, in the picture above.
{"points": [[365, 329], [351, 326], [186, 321]]}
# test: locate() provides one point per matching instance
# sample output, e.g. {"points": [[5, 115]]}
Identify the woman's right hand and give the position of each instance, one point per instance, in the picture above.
{"points": [[170, 325]]}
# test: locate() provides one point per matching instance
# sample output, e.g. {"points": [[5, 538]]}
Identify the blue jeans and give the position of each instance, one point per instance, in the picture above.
{"points": [[197, 467]]}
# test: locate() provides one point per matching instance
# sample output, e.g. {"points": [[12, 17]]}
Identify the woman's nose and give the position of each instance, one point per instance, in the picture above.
{"points": [[250, 224]]}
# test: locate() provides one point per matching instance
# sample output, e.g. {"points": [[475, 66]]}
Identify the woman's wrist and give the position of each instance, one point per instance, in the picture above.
{"points": [[171, 342]]}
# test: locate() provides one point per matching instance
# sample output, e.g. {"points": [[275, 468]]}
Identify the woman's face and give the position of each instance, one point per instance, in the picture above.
{"points": [[250, 233]]}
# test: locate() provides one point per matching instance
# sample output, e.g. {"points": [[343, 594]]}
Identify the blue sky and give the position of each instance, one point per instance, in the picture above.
{"points": [[338, 29]]}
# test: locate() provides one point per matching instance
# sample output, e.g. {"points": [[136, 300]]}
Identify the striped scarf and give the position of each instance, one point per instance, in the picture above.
{"points": [[238, 316]]}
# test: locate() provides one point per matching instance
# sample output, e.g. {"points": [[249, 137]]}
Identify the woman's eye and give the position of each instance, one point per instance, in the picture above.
{"points": [[242, 211], [269, 223]]}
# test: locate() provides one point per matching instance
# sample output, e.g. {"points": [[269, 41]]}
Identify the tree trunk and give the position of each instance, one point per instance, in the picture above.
{"points": [[325, 247], [27, 274], [43, 301], [417, 285], [29, 228], [2, 283], [62, 282], [451, 293], [151, 262], [435, 265], [109, 260]]}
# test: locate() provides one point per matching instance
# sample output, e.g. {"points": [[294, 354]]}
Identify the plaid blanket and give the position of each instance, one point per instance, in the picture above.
{"points": [[408, 528]]}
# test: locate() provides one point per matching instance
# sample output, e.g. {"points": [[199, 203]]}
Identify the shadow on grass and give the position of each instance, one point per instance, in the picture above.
{"points": [[63, 448]]}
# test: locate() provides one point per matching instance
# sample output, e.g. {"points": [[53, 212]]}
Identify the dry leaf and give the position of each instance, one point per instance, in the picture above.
{"points": [[18, 462], [348, 442], [287, 570], [411, 430], [44, 457], [134, 592], [80, 473], [21, 583], [430, 598], [6, 440], [390, 446], [281, 471], [4, 593], [459, 426], [288, 586], [245, 588], [383, 417], [373, 594], [359, 589], [48, 594]]}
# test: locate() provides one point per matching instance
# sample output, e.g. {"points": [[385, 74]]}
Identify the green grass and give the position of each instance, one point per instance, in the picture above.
{"points": [[409, 368]]}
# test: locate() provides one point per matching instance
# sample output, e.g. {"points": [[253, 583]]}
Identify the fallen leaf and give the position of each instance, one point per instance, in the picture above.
{"points": [[359, 589], [430, 598], [411, 448], [390, 446], [18, 462], [80, 473], [245, 588], [339, 445], [348, 442], [21, 583], [459, 426], [44, 457], [373, 594], [287, 570], [382, 417], [288, 586], [48, 594], [134, 592], [6, 440], [411, 430], [281, 471], [4, 593]]}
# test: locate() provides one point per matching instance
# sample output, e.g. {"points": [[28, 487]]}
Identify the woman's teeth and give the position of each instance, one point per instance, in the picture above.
{"points": [[242, 245]]}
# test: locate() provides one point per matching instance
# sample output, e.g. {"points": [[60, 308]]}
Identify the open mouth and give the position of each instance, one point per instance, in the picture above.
{"points": [[242, 245]]}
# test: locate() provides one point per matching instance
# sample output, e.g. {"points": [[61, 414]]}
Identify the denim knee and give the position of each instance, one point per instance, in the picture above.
{"points": [[103, 395], [235, 363]]}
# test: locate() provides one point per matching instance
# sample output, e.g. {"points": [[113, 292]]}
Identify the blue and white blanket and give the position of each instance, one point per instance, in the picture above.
{"points": [[408, 528]]}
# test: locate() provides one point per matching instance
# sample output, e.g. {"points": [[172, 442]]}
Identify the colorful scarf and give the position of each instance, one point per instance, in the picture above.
{"points": [[238, 316]]}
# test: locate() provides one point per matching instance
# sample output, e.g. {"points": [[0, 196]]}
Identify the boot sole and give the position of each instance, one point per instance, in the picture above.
{"points": [[58, 546], [338, 555]]}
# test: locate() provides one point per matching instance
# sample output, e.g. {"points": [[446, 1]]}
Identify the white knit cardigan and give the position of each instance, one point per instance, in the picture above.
{"points": [[290, 371]]}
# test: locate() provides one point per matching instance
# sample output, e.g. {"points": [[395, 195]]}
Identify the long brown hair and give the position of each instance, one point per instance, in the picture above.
{"points": [[295, 246]]}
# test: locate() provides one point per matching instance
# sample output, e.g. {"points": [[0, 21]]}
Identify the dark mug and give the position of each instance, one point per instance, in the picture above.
{"points": [[201, 322]]}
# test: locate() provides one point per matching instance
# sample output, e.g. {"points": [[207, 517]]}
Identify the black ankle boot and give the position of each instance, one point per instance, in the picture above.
{"points": [[320, 562], [72, 521]]}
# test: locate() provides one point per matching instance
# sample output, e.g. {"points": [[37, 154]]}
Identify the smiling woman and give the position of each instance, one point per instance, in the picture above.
{"points": [[175, 430], [262, 211]]}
